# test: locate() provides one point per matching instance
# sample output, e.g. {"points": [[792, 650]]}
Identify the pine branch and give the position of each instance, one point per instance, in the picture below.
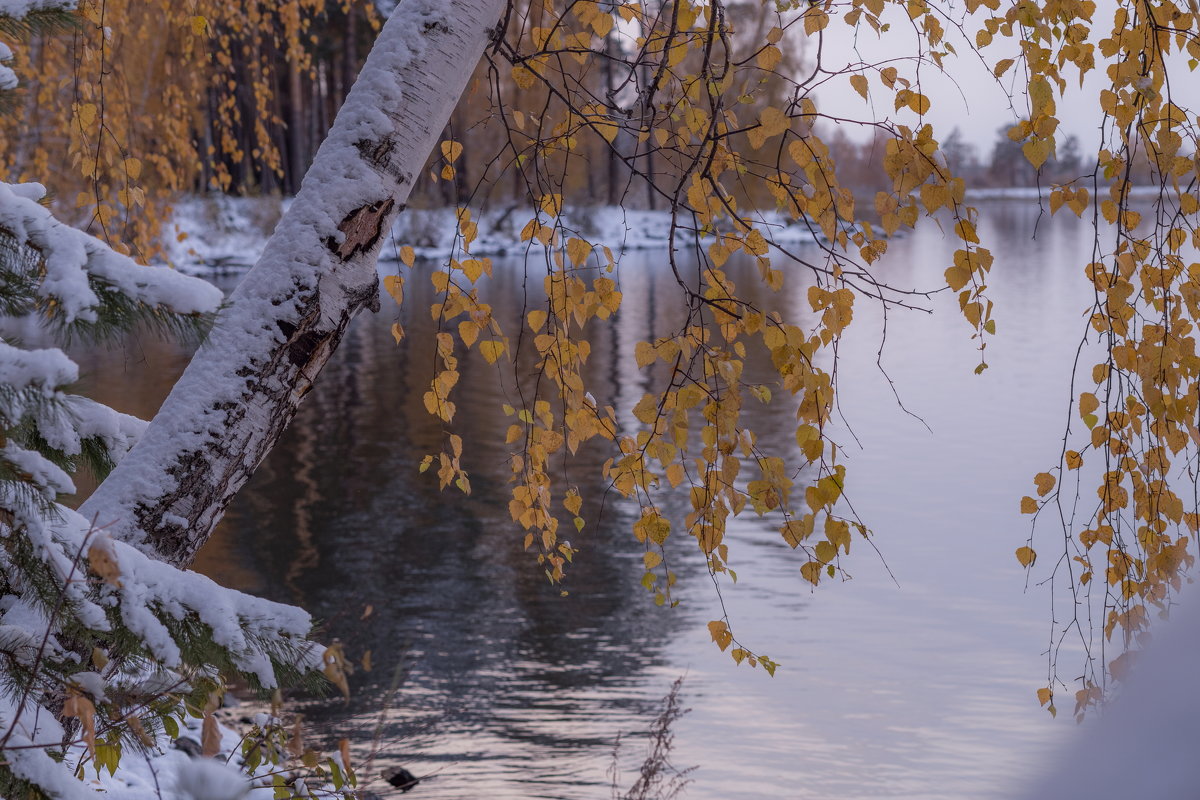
{"points": [[42, 21]]}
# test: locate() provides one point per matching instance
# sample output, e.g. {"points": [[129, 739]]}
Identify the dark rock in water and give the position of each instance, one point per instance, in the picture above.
{"points": [[189, 746], [402, 779]]}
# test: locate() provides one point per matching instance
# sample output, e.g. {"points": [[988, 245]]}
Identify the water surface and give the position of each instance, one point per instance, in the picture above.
{"points": [[922, 687]]}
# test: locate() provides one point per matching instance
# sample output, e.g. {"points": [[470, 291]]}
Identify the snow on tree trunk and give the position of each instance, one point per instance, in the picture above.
{"points": [[318, 270]]}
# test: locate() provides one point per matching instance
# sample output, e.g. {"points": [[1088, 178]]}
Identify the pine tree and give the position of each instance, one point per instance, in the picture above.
{"points": [[101, 645]]}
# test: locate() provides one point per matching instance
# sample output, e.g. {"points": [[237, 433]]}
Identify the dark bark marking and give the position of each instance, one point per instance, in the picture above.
{"points": [[366, 296], [362, 228], [378, 153], [301, 350], [286, 328]]}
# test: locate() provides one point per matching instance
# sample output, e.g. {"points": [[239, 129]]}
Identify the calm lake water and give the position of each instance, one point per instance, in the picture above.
{"points": [[918, 688]]}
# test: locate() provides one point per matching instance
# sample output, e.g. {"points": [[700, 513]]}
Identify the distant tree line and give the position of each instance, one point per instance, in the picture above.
{"points": [[270, 78], [1000, 164]]}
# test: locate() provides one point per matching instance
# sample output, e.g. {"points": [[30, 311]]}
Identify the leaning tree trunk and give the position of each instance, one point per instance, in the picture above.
{"points": [[318, 270]]}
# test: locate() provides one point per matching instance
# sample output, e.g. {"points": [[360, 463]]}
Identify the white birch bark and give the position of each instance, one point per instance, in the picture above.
{"points": [[318, 270]]}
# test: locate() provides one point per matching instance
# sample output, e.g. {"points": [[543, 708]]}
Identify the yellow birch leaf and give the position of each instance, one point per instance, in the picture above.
{"points": [[537, 318], [677, 53], [407, 255], [468, 331], [397, 332], [394, 286], [815, 20], [522, 77], [675, 474], [769, 57], [334, 668], [1109, 209], [199, 25], [773, 121], [957, 277], [1088, 403], [578, 251], [139, 731], [644, 353], [210, 736], [451, 150], [966, 231], [1057, 198], [1044, 696], [1045, 483], [1028, 505], [1040, 94], [472, 268], [859, 82], [646, 409], [101, 560], [606, 128], [1026, 556], [491, 350], [87, 114], [1074, 460], [825, 551], [796, 531], [79, 707], [720, 633], [1037, 151], [602, 24], [756, 244], [973, 312]]}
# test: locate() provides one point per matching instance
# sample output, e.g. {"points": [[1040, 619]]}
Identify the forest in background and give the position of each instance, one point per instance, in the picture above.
{"points": [[114, 127]]}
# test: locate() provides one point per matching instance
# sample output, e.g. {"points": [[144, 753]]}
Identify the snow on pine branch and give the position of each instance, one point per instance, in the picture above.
{"points": [[240, 623], [22, 8], [29, 390], [13, 12], [8, 78], [107, 584], [72, 259]]}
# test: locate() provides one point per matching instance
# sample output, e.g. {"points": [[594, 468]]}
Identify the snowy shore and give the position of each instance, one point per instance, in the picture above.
{"points": [[226, 235]]}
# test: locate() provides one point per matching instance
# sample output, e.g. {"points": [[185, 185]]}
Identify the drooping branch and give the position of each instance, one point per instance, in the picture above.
{"points": [[290, 312]]}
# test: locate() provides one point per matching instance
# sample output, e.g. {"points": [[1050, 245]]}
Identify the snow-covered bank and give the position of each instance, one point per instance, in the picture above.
{"points": [[223, 234], [1042, 192]]}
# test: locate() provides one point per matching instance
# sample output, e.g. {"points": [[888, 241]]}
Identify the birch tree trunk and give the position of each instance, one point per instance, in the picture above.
{"points": [[318, 270]]}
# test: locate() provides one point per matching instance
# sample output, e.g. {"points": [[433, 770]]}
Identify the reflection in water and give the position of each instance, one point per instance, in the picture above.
{"points": [[924, 689]]}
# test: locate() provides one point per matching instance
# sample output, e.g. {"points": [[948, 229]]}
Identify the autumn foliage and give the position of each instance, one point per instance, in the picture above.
{"points": [[714, 113]]}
